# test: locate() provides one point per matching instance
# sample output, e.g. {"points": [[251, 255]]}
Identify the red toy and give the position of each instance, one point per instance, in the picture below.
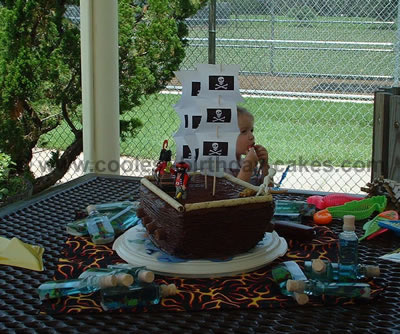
{"points": [[323, 202], [165, 157], [181, 179]]}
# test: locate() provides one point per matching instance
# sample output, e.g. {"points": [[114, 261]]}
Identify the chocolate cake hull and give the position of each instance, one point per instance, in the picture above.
{"points": [[213, 233]]}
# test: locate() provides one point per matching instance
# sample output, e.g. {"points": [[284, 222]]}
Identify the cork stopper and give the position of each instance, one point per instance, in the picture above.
{"points": [[107, 281], [91, 208], [318, 266], [295, 286], [300, 298], [163, 290], [172, 290], [145, 276], [372, 271], [349, 223], [168, 290], [124, 279]]}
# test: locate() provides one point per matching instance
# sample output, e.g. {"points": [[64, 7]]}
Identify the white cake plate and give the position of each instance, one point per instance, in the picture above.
{"points": [[135, 247]]}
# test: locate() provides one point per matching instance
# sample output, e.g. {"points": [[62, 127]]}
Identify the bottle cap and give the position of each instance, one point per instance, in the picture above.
{"points": [[318, 266], [124, 279], [145, 276], [295, 286], [349, 223], [301, 298], [107, 281], [372, 271]]}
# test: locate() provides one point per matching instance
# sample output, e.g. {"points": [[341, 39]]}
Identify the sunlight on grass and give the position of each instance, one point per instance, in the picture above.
{"points": [[290, 129]]}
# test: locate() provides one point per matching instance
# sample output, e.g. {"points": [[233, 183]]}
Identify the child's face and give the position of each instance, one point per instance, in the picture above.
{"points": [[245, 138]]}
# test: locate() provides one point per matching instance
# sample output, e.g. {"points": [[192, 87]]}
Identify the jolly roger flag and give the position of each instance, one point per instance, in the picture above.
{"points": [[219, 115], [195, 121], [215, 149], [222, 83], [187, 153], [195, 88]]}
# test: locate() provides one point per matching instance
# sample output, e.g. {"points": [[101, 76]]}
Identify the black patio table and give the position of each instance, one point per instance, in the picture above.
{"points": [[41, 221]]}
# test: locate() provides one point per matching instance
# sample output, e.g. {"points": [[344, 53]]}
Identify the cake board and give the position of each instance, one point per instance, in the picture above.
{"points": [[136, 248]]}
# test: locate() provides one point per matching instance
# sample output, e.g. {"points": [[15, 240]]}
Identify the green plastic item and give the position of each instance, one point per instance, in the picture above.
{"points": [[371, 227], [359, 209]]}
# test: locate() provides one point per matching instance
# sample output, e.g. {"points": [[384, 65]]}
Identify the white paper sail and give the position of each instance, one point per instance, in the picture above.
{"points": [[190, 82], [187, 147], [219, 80], [209, 129]]}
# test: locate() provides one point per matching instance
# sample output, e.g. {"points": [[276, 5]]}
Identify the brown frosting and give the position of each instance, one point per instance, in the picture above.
{"points": [[206, 233]]}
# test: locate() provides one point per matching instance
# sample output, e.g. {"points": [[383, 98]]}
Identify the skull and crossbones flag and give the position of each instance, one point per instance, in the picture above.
{"points": [[219, 82], [190, 88], [187, 153], [196, 121], [195, 88], [219, 115], [215, 149]]}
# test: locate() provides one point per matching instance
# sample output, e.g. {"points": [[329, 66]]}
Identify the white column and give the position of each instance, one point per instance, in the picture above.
{"points": [[100, 85]]}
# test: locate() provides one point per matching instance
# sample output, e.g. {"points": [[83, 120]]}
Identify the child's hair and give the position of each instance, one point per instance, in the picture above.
{"points": [[243, 111]]}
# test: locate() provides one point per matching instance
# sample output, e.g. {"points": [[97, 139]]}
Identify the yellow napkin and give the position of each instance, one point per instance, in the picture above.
{"points": [[14, 252]]}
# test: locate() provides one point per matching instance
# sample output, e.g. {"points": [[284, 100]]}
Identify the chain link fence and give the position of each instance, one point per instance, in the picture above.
{"points": [[308, 73]]}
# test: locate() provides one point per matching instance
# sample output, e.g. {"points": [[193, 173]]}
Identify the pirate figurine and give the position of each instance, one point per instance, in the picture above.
{"points": [[181, 180], [164, 161]]}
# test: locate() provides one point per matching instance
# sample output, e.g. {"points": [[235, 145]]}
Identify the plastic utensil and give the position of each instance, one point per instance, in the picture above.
{"points": [[372, 228], [322, 217], [393, 225], [360, 209], [323, 202]]}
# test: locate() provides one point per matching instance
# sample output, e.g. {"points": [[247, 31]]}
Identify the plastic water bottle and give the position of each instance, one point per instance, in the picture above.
{"points": [[327, 271], [122, 215], [348, 247], [136, 295], [289, 270], [126, 274], [317, 288], [56, 289], [113, 206], [121, 219], [99, 227]]}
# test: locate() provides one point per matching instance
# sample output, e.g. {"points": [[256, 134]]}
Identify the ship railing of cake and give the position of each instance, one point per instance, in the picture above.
{"points": [[203, 225]]}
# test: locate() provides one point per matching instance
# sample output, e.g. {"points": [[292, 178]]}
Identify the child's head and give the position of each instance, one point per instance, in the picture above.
{"points": [[246, 137]]}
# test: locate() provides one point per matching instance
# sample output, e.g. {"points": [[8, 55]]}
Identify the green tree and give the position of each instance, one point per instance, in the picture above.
{"points": [[40, 71]]}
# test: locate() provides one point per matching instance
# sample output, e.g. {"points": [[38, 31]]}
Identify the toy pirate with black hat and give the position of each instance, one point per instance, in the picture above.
{"points": [[181, 179]]}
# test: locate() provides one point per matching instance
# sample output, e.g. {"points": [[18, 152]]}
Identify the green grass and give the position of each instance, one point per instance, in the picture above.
{"points": [[289, 129], [296, 130], [318, 58]]}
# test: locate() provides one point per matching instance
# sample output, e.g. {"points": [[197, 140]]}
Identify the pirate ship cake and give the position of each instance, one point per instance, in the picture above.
{"points": [[205, 217]]}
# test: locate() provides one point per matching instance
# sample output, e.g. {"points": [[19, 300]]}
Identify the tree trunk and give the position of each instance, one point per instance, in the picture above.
{"points": [[62, 165]]}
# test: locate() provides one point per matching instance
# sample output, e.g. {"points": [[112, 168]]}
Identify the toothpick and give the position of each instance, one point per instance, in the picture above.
{"points": [[215, 177]]}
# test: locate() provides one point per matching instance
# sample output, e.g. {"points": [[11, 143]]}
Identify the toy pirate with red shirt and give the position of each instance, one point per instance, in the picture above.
{"points": [[181, 179]]}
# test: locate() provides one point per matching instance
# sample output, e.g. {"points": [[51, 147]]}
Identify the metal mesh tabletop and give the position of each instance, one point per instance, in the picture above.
{"points": [[41, 221]]}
